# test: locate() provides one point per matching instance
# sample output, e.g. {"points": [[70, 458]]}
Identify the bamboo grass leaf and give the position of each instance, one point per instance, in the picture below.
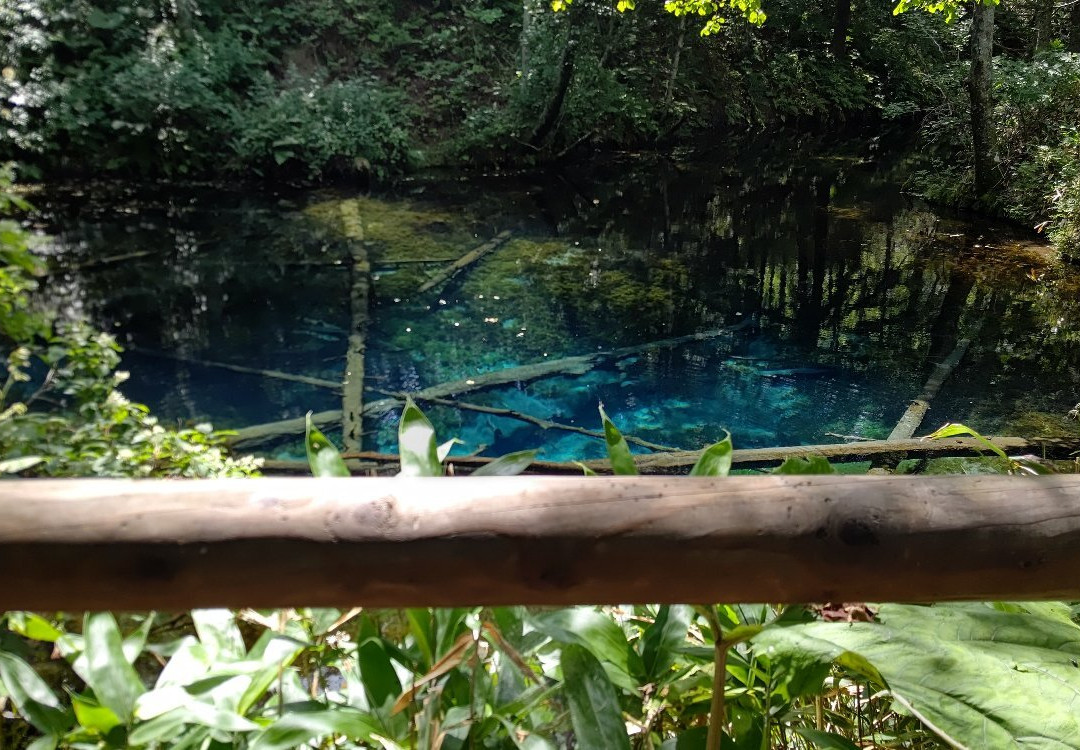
{"points": [[323, 457], [622, 461]]}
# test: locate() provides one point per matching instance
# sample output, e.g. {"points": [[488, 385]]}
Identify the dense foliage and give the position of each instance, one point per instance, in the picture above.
{"points": [[318, 90]]}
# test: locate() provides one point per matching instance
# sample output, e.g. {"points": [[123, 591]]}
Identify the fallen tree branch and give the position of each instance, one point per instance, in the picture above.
{"points": [[755, 458], [465, 260], [577, 365], [275, 374], [543, 424]]}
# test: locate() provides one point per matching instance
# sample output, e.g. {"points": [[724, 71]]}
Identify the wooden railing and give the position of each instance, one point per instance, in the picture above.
{"points": [[105, 544]]}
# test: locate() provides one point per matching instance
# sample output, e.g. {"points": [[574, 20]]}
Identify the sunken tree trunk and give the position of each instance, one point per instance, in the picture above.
{"points": [[980, 83]]}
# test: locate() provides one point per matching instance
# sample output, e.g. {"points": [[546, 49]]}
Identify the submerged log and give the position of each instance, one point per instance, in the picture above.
{"points": [[464, 261], [274, 374], [577, 365], [173, 545], [913, 416], [352, 384], [543, 424], [752, 458]]}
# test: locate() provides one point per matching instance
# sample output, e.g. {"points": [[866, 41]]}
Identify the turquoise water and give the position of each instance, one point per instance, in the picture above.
{"points": [[852, 291]]}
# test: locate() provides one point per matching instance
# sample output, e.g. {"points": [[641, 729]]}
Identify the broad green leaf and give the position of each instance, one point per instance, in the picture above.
{"points": [[825, 740], [595, 631], [377, 673], [622, 461], [93, 716], [105, 668], [32, 626], [15, 465], [509, 465], [959, 430], [809, 465], [218, 633], [444, 450], [976, 676], [136, 642], [662, 639], [297, 729], [715, 461], [322, 456], [274, 652], [33, 699], [48, 742], [423, 633], [594, 706], [416, 444]]}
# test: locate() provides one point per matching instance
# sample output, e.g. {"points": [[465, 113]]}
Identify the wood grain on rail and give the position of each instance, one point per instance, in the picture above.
{"points": [[115, 544]]}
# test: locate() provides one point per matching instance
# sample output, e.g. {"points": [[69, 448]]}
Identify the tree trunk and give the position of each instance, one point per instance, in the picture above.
{"points": [[554, 108], [841, 24], [1074, 27], [670, 94], [1043, 23], [980, 84]]}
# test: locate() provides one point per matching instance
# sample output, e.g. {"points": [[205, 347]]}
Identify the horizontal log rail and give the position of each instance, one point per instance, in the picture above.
{"points": [[145, 544]]}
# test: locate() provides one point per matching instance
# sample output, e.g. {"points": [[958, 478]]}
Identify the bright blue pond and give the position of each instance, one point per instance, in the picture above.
{"points": [[853, 291]]}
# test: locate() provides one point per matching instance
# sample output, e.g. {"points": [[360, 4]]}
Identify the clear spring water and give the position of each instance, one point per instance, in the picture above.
{"points": [[853, 291]]}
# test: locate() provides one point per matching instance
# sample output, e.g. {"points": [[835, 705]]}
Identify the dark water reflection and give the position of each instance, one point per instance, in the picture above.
{"points": [[854, 292]]}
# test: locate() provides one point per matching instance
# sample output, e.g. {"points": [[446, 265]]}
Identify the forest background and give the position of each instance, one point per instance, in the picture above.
{"points": [[349, 91]]}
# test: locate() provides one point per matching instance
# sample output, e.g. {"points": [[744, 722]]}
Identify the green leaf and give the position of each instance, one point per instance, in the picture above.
{"points": [[218, 633], [662, 639], [15, 465], [622, 461], [594, 706], [377, 673], [105, 669], [444, 450], [809, 465], [297, 729], [136, 642], [585, 470], [33, 699], [48, 742], [825, 740], [595, 631], [322, 456], [32, 626], [976, 676], [509, 465], [416, 444], [93, 716], [715, 461], [959, 430]]}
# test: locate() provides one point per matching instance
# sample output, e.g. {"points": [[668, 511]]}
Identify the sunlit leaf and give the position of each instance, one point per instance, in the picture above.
{"points": [[105, 668], [974, 675], [296, 729], [622, 461], [808, 465], [509, 465], [33, 699], [715, 461], [959, 430], [416, 444], [323, 457]]}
